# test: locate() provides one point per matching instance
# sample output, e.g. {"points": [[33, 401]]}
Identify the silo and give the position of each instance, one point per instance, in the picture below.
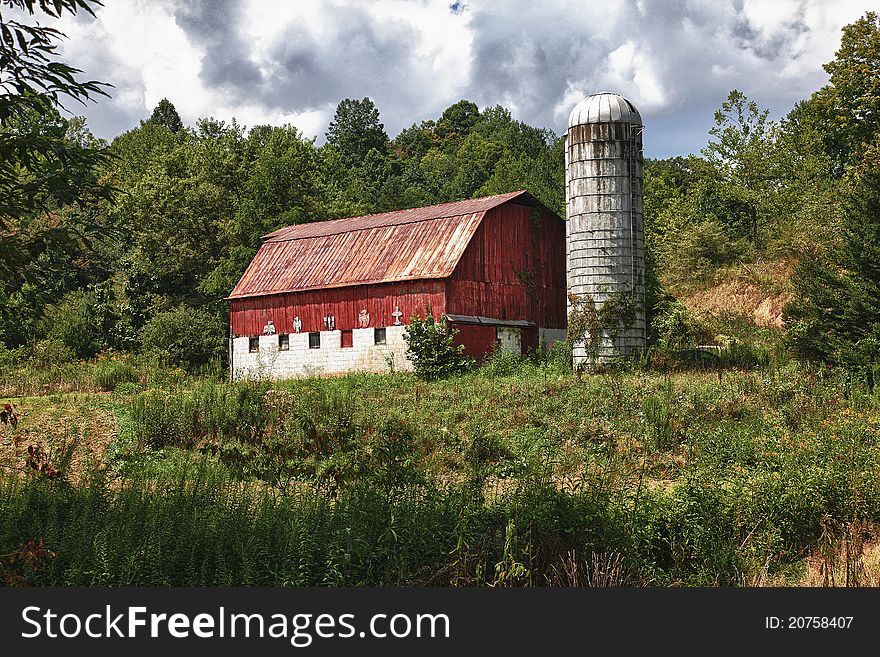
{"points": [[605, 244]]}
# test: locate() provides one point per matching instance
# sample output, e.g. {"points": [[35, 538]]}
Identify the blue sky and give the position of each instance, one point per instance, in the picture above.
{"points": [[293, 61]]}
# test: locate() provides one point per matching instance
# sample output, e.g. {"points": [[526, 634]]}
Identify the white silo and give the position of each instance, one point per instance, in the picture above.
{"points": [[605, 243]]}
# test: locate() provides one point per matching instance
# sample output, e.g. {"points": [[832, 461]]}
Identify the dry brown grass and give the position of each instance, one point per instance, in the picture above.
{"points": [[845, 558], [757, 292], [56, 425], [741, 298]]}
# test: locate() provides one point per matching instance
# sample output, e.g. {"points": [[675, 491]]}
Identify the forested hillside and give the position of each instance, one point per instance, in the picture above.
{"points": [[155, 227]]}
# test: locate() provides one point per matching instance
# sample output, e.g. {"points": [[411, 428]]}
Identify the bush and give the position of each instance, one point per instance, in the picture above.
{"points": [[10, 358], [50, 352], [556, 358], [431, 348], [693, 254], [73, 322], [184, 337], [108, 374], [503, 362], [679, 328]]}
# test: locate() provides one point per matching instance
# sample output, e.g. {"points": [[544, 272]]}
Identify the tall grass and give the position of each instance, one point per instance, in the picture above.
{"points": [[522, 476], [29, 377], [198, 526]]}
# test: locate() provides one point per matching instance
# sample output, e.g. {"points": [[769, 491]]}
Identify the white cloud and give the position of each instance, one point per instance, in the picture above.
{"points": [[629, 67], [291, 62]]}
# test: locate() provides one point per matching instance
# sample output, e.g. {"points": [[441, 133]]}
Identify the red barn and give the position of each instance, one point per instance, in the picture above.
{"points": [[335, 296]]}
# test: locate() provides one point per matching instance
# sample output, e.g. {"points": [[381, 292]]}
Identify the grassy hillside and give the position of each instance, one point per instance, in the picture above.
{"points": [[519, 474]]}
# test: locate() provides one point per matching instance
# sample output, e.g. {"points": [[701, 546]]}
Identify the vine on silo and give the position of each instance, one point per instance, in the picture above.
{"points": [[589, 322]]}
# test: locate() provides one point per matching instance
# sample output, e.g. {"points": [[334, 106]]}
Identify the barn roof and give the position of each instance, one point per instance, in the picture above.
{"points": [[414, 244]]}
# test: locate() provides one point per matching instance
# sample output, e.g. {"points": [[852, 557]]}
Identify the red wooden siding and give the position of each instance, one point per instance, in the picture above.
{"points": [[514, 268], [478, 340], [248, 316]]}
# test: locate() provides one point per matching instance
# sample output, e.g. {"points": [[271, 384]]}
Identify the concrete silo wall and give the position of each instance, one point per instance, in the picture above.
{"points": [[605, 227]]}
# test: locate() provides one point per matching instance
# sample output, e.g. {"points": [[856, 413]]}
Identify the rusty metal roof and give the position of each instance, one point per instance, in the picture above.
{"points": [[419, 243]]}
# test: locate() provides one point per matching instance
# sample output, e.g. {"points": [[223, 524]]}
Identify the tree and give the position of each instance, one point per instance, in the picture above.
{"points": [[31, 80], [431, 347], [165, 114], [355, 129], [40, 169], [834, 316], [184, 337], [458, 120], [41, 172], [855, 78], [847, 110], [742, 155]]}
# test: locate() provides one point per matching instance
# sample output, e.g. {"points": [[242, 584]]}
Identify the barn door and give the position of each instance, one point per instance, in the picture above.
{"points": [[510, 339], [529, 340]]}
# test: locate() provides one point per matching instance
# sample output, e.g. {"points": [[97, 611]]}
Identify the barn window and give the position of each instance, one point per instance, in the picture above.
{"points": [[283, 342], [253, 345], [347, 339], [379, 335], [314, 340]]}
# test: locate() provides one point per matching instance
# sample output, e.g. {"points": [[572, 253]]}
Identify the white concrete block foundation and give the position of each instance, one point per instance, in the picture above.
{"points": [[330, 358]]}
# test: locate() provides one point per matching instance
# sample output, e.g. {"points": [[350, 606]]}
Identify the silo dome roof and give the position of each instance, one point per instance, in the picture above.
{"points": [[604, 107]]}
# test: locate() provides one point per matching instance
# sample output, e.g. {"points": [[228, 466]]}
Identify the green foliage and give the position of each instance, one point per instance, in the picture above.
{"points": [[627, 478], [691, 256], [678, 328], [431, 347], [40, 169], [74, 323], [849, 106], [110, 374], [51, 352], [165, 114], [835, 315], [503, 362], [184, 336], [9, 358], [20, 314], [355, 130], [458, 120], [596, 326]]}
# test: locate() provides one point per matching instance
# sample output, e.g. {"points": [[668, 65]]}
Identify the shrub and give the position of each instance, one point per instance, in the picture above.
{"points": [[108, 374], [679, 328], [503, 362], [431, 347], [693, 254], [557, 358], [183, 337], [73, 322], [51, 351], [10, 358]]}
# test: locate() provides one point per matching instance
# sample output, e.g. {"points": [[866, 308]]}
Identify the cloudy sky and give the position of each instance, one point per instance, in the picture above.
{"points": [[292, 61]]}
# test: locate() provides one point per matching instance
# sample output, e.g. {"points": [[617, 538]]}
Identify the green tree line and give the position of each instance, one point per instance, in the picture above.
{"points": [[127, 244]]}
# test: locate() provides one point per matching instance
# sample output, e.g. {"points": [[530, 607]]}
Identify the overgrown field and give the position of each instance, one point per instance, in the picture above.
{"points": [[516, 474]]}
